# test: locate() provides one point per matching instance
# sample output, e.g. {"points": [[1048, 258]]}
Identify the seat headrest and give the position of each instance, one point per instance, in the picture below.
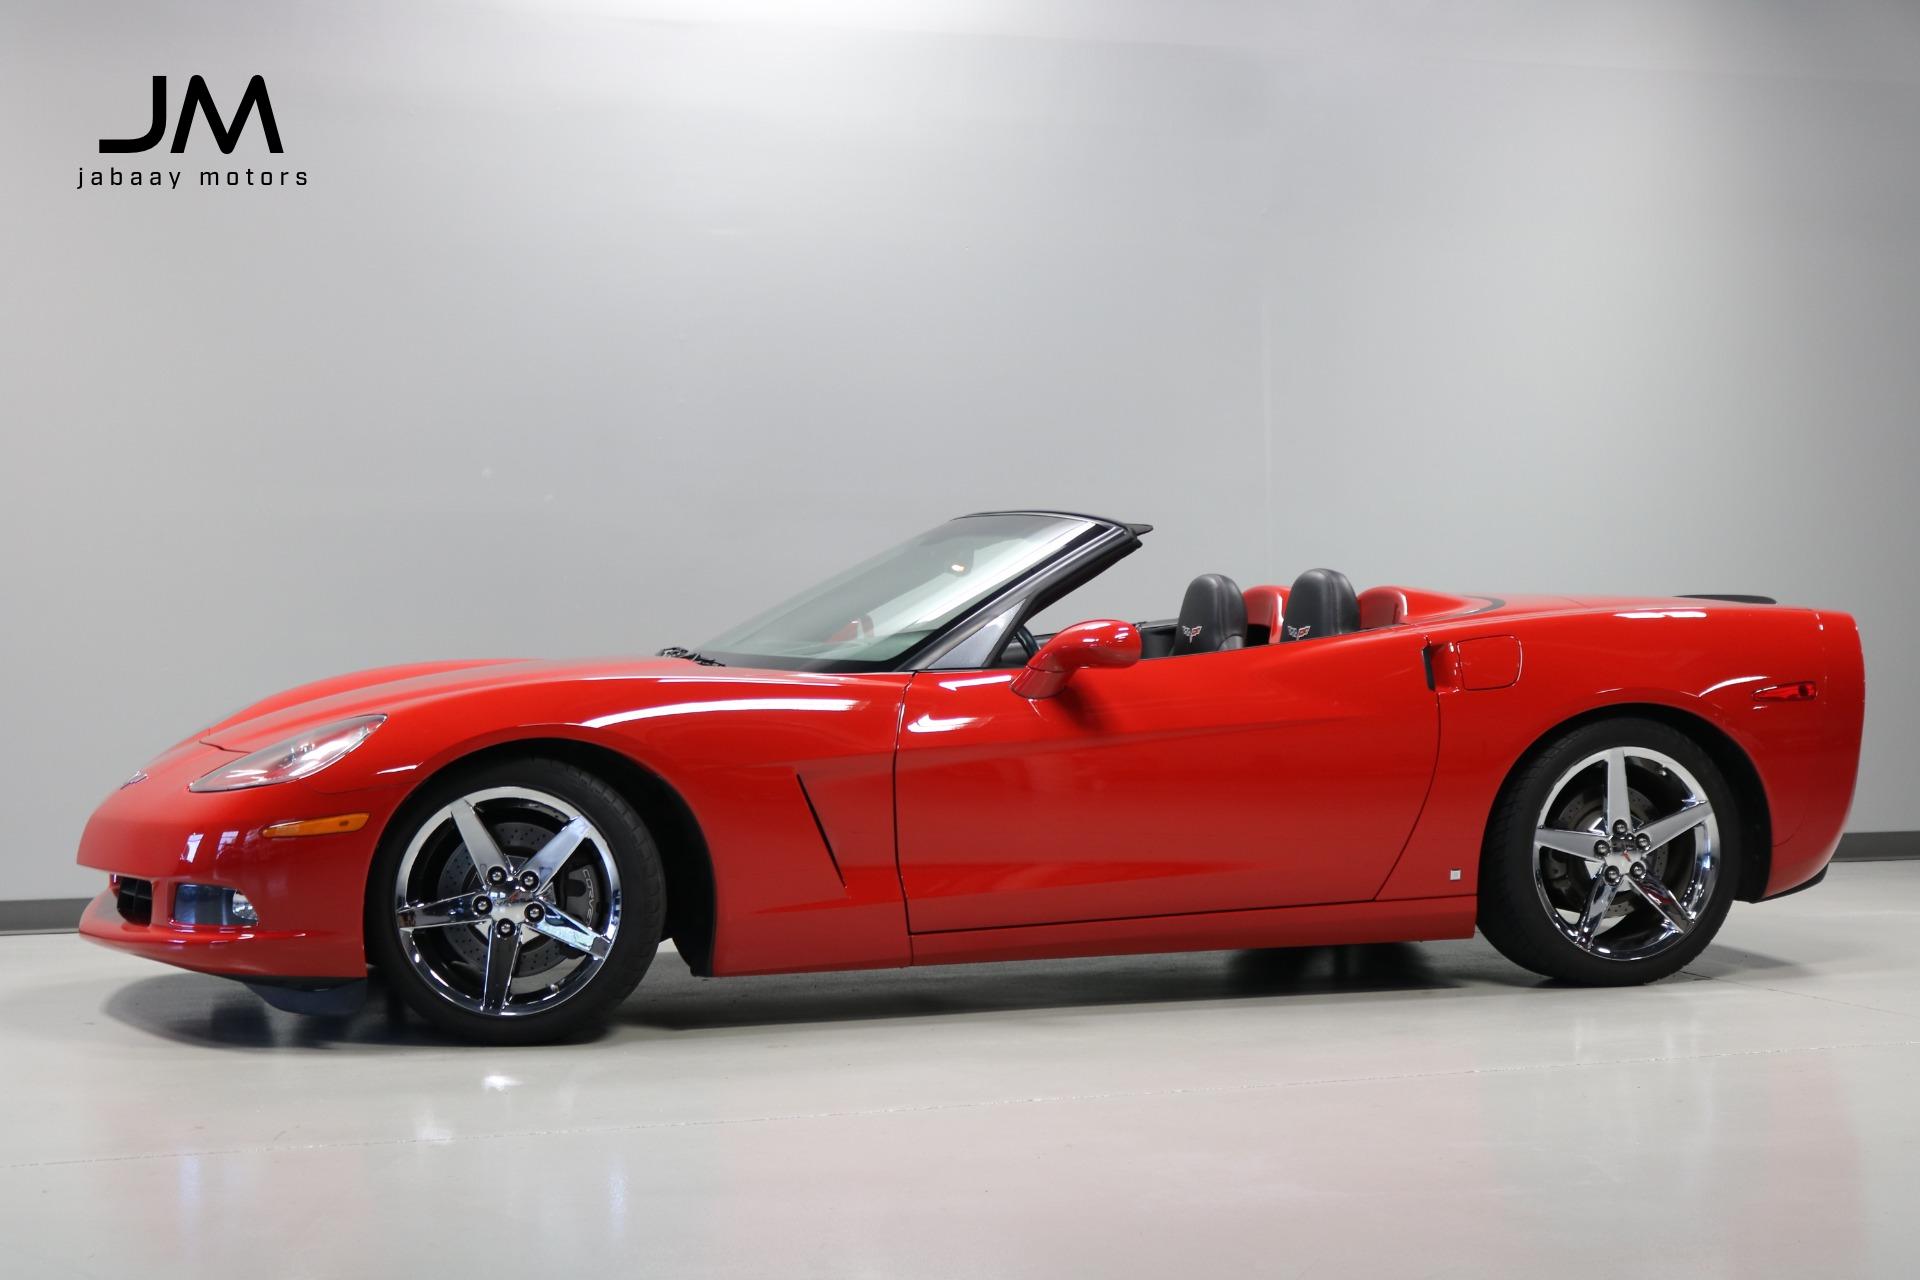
{"points": [[1322, 603], [1213, 616], [1382, 607], [1265, 607]]}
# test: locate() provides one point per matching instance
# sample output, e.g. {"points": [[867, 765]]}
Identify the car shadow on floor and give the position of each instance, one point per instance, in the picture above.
{"points": [[206, 1011], [1738, 962], [196, 1009], [681, 1002]]}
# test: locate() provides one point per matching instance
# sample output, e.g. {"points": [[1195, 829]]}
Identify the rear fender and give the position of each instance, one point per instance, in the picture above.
{"points": [[1703, 663]]}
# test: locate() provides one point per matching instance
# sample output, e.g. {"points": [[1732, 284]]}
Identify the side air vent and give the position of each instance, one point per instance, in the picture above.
{"points": [[825, 842]]}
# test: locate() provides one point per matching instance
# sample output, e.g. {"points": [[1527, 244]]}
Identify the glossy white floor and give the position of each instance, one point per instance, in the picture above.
{"points": [[1384, 1111]]}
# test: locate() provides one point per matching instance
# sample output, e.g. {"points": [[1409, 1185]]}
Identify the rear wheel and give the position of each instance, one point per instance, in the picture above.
{"points": [[517, 902], [1613, 856]]}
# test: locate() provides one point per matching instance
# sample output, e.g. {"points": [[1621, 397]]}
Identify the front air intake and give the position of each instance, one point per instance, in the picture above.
{"points": [[134, 898]]}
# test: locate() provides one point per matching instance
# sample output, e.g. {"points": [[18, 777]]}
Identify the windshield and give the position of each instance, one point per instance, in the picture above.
{"points": [[883, 608]]}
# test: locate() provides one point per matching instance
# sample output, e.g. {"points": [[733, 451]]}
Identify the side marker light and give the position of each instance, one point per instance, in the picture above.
{"points": [[339, 824]]}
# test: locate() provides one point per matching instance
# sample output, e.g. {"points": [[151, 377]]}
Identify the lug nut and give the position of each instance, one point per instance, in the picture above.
{"points": [[496, 875], [1620, 827], [1637, 870], [528, 880], [1643, 842], [482, 905], [534, 913], [1613, 875], [1601, 848], [504, 928]]}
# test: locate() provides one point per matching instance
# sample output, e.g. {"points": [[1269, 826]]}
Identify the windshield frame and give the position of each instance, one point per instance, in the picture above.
{"points": [[1083, 557]]}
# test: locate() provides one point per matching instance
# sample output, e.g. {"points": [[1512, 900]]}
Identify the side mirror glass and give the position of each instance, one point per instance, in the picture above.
{"points": [[1104, 643]]}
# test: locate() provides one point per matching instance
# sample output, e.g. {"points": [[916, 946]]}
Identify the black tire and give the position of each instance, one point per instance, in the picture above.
{"points": [[1517, 910], [641, 902]]}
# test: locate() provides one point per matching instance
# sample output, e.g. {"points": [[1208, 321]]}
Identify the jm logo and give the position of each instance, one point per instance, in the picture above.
{"points": [[198, 99]]}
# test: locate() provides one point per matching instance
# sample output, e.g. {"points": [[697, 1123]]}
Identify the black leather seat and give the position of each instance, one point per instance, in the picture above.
{"points": [[1322, 603], [1213, 616]]}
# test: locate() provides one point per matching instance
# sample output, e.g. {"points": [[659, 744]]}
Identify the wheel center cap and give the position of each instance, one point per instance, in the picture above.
{"points": [[515, 906]]}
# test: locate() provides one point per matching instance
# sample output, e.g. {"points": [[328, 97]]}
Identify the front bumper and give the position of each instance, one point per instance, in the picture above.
{"points": [[228, 952], [309, 892]]}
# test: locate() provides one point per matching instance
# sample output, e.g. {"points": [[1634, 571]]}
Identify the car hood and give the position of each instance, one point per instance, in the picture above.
{"points": [[387, 689]]}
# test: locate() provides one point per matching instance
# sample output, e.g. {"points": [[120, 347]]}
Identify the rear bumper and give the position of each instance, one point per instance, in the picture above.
{"points": [[1800, 862], [1803, 885], [1829, 765]]}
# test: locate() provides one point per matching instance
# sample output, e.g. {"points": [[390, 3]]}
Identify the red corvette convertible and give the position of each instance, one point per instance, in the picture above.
{"points": [[892, 769]]}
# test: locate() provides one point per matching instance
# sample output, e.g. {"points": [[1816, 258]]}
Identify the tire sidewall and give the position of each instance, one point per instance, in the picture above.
{"points": [[643, 905]]}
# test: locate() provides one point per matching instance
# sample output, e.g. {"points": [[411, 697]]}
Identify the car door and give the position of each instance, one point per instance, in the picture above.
{"points": [[1271, 776]]}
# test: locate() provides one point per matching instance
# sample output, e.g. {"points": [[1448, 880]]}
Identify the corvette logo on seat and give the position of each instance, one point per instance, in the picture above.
{"points": [[1191, 633], [1299, 633]]}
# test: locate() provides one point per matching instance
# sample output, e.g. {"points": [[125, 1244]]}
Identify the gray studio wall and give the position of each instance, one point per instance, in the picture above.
{"points": [[599, 324]]}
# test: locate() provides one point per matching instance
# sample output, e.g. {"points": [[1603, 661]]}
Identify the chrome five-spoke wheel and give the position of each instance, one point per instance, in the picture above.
{"points": [[507, 901], [1625, 852], [518, 902], [1613, 854]]}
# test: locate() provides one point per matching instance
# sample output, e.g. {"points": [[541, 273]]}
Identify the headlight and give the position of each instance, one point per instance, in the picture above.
{"points": [[297, 757]]}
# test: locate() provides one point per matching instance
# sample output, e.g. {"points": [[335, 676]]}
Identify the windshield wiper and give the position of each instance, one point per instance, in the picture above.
{"points": [[691, 655]]}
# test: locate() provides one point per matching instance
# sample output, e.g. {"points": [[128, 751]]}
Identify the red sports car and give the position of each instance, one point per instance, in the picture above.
{"points": [[893, 769]]}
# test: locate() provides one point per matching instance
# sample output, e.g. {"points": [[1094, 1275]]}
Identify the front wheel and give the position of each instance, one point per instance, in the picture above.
{"points": [[1613, 856], [517, 902]]}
